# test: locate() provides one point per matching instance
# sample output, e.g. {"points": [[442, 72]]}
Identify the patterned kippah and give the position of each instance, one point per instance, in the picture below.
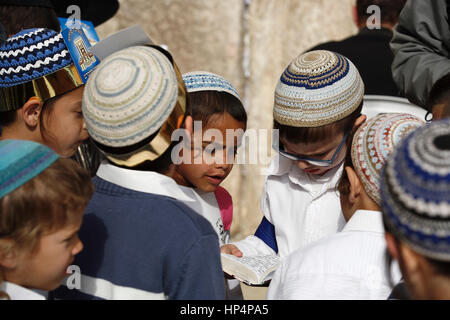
{"points": [[318, 88], [415, 190], [372, 144], [129, 96], [207, 81], [31, 54], [21, 161]]}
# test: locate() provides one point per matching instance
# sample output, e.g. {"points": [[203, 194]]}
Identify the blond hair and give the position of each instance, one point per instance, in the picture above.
{"points": [[52, 200]]}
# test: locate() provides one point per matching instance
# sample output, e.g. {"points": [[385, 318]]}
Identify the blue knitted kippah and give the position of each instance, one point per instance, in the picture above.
{"points": [[32, 54], [207, 81], [415, 190], [21, 161]]}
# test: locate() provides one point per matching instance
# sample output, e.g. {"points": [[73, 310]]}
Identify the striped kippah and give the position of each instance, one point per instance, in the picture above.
{"points": [[207, 81], [415, 190], [372, 144], [129, 96], [21, 161], [32, 54], [317, 88]]}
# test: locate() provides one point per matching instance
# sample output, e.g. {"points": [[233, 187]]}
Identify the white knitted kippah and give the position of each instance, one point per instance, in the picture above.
{"points": [[317, 88], [129, 96]]}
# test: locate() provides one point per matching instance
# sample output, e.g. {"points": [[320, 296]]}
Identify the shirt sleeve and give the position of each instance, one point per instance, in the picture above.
{"points": [[420, 45], [253, 246], [200, 276], [276, 284], [266, 232], [264, 241]]}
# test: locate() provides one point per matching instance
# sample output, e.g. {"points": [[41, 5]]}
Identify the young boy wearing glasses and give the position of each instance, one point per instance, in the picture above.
{"points": [[318, 103]]}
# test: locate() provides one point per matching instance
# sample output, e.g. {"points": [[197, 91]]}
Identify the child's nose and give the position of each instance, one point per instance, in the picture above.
{"points": [[78, 247], [302, 165], [84, 132]]}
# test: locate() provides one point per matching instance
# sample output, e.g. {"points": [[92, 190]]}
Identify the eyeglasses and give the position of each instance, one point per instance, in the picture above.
{"points": [[311, 161]]}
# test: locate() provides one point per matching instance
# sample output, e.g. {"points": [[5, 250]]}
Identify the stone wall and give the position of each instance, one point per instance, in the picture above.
{"points": [[250, 46]]}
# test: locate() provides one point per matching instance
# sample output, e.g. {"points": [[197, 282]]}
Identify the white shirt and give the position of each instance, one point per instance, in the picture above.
{"points": [[348, 265], [303, 208], [17, 292], [207, 206], [143, 181]]}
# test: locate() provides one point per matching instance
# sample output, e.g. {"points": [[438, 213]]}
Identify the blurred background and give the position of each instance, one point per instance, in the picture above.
{"points": [[249, 42]]}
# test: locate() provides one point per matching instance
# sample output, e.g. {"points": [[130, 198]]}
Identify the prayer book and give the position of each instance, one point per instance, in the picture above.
{"points": [[252, 270]]}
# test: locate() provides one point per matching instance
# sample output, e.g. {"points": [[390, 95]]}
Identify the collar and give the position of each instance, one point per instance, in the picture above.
{"points": [[281, 165], [17, 292], [365, 220], [142, 181], [376, 32]]}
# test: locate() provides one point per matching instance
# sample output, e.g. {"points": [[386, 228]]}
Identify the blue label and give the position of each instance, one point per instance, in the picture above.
{"points": [[87, 27], [78, 45]]}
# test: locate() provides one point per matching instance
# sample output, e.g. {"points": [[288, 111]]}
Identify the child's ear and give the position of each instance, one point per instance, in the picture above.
{"points": [[31, 111], [391, 245], [355, 185], [414, 267], [8, 254], [359, 121]]}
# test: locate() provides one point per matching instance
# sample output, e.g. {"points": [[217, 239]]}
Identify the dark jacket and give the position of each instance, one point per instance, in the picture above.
{"points": [[370, 52], [421, 44]]}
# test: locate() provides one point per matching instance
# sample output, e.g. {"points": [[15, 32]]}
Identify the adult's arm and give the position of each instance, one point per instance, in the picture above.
{"points": [[421, 44]]}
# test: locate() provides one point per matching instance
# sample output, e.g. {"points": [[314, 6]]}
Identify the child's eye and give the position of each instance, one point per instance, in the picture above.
{"points": [[68, 240], [210, 150]]}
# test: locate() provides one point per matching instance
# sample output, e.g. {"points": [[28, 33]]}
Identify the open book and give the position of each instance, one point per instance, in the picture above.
{"points": [[253, 270]]}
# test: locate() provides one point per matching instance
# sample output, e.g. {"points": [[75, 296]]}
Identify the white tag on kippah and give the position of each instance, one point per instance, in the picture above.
{"points": [[129, 37]]}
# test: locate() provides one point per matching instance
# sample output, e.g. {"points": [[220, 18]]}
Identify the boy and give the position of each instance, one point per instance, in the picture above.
{"points": [[415, 194], [350, 264], [42, 201], [40, 91], [318, 103], [140, 241]]}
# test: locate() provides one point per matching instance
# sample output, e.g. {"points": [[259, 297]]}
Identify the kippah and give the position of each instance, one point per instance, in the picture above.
{"points": [[415, 190], [372, 144], [129, 96], [21, 161], [207, 81], [317, 88], [31, 54]]}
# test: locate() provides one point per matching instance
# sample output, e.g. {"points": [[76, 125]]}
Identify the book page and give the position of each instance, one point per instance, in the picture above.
{"points": [[259, 265]]}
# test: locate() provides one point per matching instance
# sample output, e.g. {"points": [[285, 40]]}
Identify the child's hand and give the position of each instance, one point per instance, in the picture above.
{"points": [[231, 249]]}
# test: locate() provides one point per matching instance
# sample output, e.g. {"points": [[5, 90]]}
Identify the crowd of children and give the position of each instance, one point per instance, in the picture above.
{"points": [[342, 193]]}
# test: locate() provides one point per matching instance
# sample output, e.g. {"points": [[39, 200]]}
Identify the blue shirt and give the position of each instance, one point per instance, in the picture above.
{"points": [[141, 245]]}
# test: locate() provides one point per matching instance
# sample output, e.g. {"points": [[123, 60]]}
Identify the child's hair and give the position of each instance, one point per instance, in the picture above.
{"points": [[343, 185], [48, 202], [390, 9], [202, 105], [440, 94], [17, 18], [315, 134], [9, 117]]}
